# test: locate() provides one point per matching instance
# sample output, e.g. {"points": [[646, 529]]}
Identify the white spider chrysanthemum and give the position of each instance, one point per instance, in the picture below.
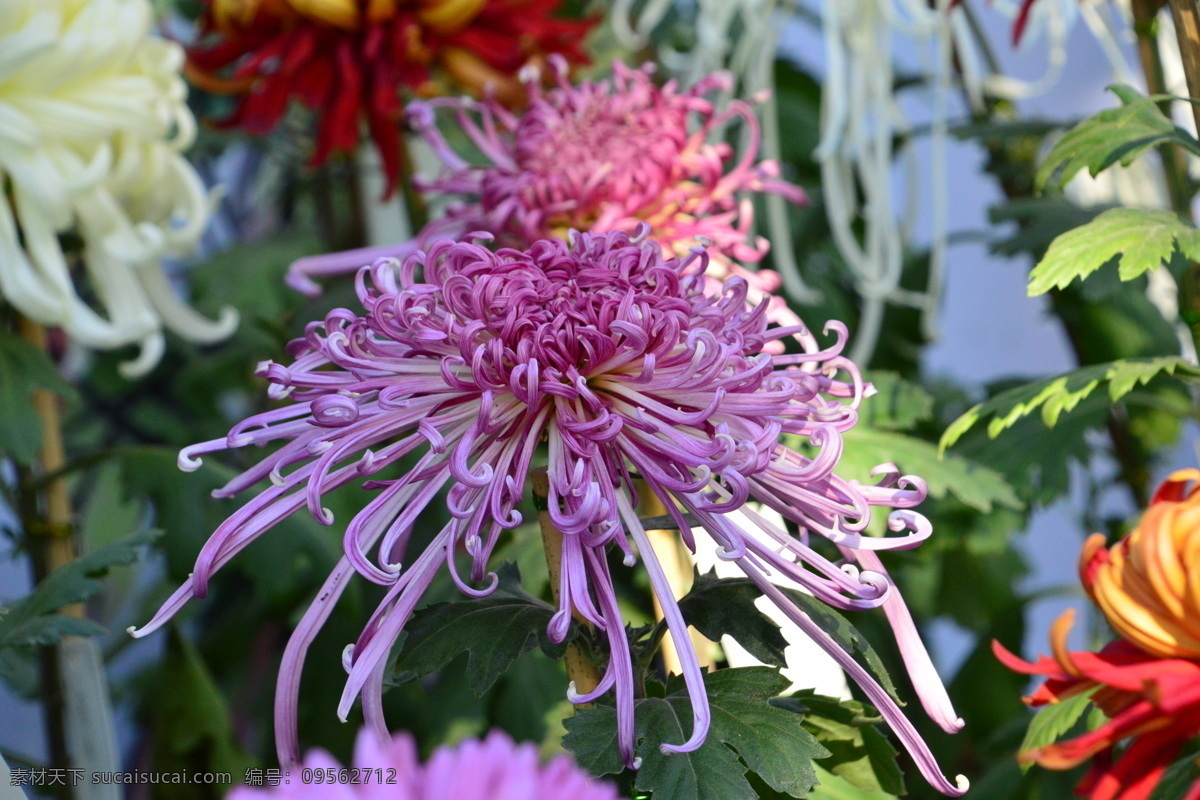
{"points": [[93, 120]]}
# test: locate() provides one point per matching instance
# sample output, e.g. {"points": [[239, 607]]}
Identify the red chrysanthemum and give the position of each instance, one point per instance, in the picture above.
{"points": [[1148, 682], [1153, 705], [349, 60]]}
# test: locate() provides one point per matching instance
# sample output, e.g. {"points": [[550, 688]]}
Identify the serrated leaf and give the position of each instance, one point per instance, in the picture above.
{"points": [[19, 669], [1142, 239], [897, 404], [1037, 460], [24, 369], [772, 745], [1095, 718], [494, 631], [977, 486], [713, 772], [1053, 720], [1114, 135], [725, 607], [747, 733], [1062, 393], [592, 738], [33, 620], [860, 753], [1179, 778]]}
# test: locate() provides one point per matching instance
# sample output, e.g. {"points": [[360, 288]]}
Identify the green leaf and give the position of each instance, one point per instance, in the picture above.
{"points": [[33, 620], [521, 698], [1114, 135], [1037, 460], [494, 631], [1179, 778], [833, 787], [19, 668], [23, 369], [859, 752], [719, 607], [193, 729], [1052, 721], [1141, 238], [897, 404], [592, 738], [1095, 718], [748, 734], [1061, 394]]}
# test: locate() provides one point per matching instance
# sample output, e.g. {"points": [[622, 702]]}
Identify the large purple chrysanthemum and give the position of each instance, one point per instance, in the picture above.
{"points": [[600, 156], [494, 768], [609, 361]]}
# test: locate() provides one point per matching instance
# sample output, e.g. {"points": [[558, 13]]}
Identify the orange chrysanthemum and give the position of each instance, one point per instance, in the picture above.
{"points": [[1153, 705], [1148, 585], [350, 60], [1148, 682]]}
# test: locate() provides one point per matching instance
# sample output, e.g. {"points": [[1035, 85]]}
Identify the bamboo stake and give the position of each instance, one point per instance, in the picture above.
{"points": [[678, 569], [75, 691], [52, 532], [582, 672]]}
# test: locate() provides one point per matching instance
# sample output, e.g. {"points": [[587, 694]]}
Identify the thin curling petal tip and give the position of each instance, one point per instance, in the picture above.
{"points": [[619, 366]]}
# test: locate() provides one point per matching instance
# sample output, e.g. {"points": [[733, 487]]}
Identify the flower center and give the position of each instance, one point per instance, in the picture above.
{"points": [[569, 311]]}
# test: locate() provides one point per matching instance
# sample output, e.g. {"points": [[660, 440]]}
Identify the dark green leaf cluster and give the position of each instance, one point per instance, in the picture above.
{"points": [[748, 734]]}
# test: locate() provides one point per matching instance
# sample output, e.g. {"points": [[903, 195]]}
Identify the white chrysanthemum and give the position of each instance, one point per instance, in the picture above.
{"points": [[93, 120]]}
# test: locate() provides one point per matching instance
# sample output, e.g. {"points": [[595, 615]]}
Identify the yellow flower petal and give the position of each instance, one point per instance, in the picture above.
{"points": [[447, 16], [339, 13], [1148, 585]]}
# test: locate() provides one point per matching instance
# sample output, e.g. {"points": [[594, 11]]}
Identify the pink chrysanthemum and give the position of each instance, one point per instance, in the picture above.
{"points": [[608, 360], [595, 156], [494, 768]]}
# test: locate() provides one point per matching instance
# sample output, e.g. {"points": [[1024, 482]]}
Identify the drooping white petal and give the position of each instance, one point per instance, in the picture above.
{"points": [[93, 119]]}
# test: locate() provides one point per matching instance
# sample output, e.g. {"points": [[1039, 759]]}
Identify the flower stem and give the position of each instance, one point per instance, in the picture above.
{"points": [[580, 670], [1187, 31], [1186, 16], [1174, 162], [79, 718]]}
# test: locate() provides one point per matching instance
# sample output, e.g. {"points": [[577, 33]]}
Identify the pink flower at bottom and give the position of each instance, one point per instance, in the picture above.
{"points": [[494, 768]]}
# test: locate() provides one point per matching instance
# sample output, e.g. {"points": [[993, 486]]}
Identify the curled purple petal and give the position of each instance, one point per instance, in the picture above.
{"points": [[614, 363]]}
